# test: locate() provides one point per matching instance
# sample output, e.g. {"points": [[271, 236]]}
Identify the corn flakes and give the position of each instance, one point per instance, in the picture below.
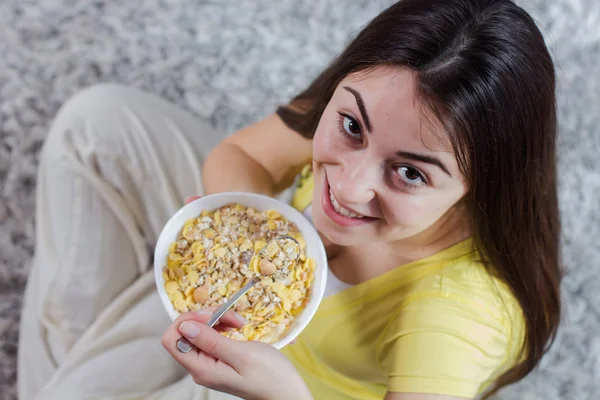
{"points": [[218, 252]]}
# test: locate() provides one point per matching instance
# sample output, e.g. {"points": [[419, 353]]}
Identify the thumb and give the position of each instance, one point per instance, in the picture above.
{"points": [[211, 342]]}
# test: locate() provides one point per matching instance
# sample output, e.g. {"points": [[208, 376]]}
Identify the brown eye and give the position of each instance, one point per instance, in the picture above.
{"points": [[411, 176], [352, 127]]}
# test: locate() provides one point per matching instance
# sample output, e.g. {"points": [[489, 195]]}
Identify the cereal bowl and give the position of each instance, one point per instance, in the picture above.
{"points": [[217, 254]]}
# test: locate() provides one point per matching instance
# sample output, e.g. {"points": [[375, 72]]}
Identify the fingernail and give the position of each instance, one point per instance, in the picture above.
{"points": [[240, 318], [189, 329], [204, 311]]}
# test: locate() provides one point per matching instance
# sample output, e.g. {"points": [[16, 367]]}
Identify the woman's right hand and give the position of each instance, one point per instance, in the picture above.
{"points": [[250, 370]]}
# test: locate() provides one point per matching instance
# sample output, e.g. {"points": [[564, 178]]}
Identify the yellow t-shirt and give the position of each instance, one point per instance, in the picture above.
{"points": [[440, 325]]}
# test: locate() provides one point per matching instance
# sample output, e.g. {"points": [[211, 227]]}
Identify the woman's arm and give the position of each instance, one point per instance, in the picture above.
{"points": [[262, 158]]}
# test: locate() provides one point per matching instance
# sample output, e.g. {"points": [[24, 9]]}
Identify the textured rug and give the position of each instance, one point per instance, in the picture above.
{"points": [[232, 62]]}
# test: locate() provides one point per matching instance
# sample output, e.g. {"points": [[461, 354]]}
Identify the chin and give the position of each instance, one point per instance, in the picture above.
{"points": [[342, 239]]}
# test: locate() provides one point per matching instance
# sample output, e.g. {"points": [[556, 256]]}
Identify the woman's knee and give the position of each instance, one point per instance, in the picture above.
{"points": [[93, 117], [101, 101]]}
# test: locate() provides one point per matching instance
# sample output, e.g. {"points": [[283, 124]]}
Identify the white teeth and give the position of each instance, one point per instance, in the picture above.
{"points": [[341, 210]]}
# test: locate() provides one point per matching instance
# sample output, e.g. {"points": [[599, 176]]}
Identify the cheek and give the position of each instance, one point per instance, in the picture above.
{"points": [[414, 210], [326, 142]]}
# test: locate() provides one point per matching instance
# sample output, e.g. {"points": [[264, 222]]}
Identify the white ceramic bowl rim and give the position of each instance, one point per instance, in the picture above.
{"points": [[314, 248]]}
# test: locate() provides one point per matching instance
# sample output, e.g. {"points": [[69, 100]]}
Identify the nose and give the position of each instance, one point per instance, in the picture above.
{"points": [[356, 182]]}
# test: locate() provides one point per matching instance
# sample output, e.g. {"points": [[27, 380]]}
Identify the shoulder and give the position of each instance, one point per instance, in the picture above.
{"points": [[464, 283], [455, 332]]}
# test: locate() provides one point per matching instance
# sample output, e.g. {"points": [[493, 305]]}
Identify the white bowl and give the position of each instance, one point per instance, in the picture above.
{"points": [[314, 249]]}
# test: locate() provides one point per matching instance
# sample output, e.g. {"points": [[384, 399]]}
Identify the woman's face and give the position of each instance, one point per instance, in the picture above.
{"points": [[383, 168]]}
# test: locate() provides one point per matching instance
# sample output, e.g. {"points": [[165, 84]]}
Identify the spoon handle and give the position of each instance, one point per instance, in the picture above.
{"points": [[223, 309], [185, 346]]}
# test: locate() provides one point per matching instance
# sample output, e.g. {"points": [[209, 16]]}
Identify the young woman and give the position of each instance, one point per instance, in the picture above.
{"points": [[427, 152]]}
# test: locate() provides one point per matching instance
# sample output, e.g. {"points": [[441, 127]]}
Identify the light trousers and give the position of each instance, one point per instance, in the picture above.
{"points": [[115, 166]]}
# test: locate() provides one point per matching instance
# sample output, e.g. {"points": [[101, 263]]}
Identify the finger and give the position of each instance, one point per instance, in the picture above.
{"points": [[213, 343], [195, 361], [204, 368], [229, 320], [171, 336], [189, 199]]}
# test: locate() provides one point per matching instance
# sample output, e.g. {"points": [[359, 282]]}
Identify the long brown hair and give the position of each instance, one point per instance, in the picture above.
{"points": [[483, 68]]}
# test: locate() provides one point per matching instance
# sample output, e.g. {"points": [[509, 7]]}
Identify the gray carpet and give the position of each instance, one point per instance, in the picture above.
{"points": [[232, 62]]}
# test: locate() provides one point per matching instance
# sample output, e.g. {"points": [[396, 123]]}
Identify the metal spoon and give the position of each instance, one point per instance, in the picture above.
{"points": [[184, 345]]}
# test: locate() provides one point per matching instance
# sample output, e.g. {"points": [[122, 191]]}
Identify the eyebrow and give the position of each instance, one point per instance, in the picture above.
{"points": [[426, 159], [361, 106]]}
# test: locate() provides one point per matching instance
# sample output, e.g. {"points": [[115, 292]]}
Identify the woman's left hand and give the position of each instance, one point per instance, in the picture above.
{"points": [[250, 370]]}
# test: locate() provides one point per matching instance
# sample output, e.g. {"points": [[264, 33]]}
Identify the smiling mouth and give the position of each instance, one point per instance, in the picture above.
{"points": [[339, 214], [341, 210]]}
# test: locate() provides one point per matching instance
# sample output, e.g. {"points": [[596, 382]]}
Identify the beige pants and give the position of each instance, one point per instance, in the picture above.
{"points": [[115, 166]]}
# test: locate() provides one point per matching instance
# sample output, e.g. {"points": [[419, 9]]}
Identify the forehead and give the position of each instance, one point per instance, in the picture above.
{"points": [[394, 107]]}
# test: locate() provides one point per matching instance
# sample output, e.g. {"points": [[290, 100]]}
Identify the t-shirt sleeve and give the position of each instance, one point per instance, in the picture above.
{"points": [[443, 345]]}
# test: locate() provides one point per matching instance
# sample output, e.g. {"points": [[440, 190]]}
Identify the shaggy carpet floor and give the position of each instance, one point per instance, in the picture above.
{"points": [[232, 62]]}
